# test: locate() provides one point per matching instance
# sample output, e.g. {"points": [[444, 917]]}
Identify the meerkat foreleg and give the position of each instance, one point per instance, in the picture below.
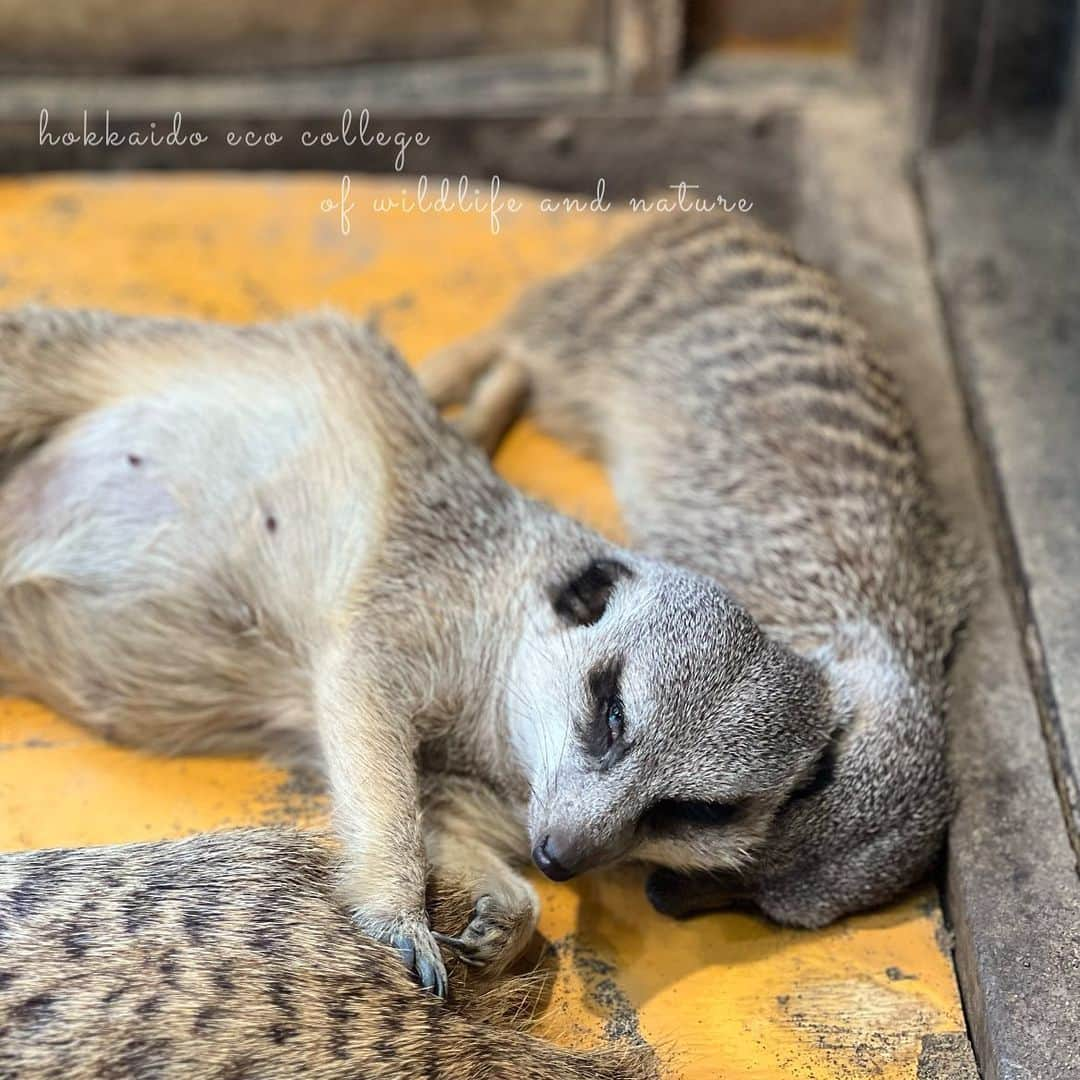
{"points": [[374, 788], [470, 838]]}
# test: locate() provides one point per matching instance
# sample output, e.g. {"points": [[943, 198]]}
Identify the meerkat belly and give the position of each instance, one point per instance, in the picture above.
{"points": [[180, 556]]}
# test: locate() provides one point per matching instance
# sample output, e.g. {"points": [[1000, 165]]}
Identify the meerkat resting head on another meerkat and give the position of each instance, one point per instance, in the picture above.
{"points": [[752, 434], [265, 538]]}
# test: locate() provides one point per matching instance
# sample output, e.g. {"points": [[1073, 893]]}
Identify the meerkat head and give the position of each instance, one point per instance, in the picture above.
{"points": [[656, 721]]}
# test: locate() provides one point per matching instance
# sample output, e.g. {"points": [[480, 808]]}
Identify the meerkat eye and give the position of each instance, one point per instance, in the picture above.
{"points": [[606, 724], [672, 813], [614, 712]]}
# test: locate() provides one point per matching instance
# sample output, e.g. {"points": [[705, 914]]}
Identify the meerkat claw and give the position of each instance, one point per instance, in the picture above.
{"points": [[423, 960], [465, 951], [492, 934]]}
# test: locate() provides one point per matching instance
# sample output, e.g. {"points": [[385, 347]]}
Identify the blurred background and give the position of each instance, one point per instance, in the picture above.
{"points": [[462, 66], [98, 36]]}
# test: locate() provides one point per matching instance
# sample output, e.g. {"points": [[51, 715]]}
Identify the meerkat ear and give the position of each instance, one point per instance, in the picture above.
{"points": [[583, 599]]}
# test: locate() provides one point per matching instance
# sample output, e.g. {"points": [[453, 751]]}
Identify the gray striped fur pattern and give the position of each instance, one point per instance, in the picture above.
{"points": [[753, 435], [229, 956]]}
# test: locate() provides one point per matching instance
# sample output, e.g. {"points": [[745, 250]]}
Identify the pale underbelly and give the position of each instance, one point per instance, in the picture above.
{"points": [[183, 559]]}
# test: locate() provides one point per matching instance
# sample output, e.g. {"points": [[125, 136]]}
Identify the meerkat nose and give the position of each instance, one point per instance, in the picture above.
{"points": [[546, 858]]}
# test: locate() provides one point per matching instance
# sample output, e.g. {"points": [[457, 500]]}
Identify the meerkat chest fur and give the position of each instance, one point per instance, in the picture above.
{"points": [[179, 555]]}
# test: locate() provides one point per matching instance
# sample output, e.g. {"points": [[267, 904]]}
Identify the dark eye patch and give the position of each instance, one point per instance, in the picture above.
{"points": [[672, 813], [583, 599], [604, 680], [821, 776], [604, 702]]}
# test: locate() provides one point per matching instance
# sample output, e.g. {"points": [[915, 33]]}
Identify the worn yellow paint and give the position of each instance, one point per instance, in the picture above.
{"points": [[728, 995]]}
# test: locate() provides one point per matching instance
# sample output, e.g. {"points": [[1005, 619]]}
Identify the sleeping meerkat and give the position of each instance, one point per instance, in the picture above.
{"points": [[228, 955], [227, 538], [751, 436]]}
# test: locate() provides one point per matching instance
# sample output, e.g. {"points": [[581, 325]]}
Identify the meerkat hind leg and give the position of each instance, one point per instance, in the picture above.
{"points": [[497, 401], [449, 374], [57, 364]]}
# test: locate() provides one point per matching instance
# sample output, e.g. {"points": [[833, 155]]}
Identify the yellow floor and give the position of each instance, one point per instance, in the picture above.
{"points": [[733, 996]]}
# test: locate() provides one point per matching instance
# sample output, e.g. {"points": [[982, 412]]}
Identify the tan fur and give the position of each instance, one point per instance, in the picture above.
{"points": [[229, 955], [286, 448], [264, 538]]}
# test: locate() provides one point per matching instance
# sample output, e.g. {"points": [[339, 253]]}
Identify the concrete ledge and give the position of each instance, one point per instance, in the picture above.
{"points": [[1006, 231], [1001, 239]]}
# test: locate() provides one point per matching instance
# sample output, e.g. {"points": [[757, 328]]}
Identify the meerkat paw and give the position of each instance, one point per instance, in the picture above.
{"points": [[499, 927], [420, 952], [416, 945]]}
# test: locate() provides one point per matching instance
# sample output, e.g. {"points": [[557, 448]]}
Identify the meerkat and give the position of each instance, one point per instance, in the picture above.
{"points": [[265, 537], [752, 436], [230, 955]]}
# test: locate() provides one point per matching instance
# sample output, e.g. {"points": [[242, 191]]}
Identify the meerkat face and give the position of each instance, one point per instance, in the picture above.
{"points": [[656, 721]]}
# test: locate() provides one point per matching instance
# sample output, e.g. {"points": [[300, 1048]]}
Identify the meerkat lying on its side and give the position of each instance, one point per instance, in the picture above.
{"points": [[228, 955], [246, 538], [751, 436]]}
